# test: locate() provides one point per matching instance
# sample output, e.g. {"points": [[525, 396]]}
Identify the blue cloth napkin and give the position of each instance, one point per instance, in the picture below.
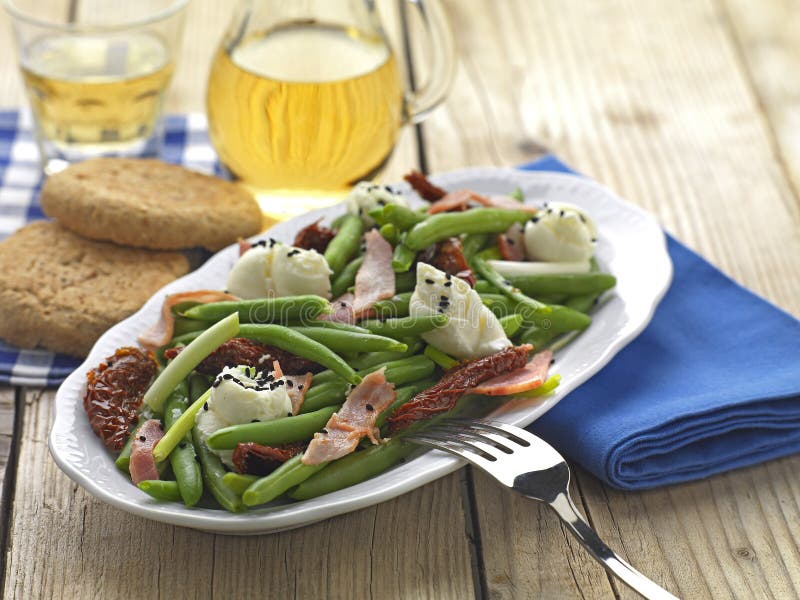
{"points": [[712, 384]]}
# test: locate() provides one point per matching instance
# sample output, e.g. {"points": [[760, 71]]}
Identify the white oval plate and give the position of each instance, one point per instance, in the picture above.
{"points": [[631, 246]]}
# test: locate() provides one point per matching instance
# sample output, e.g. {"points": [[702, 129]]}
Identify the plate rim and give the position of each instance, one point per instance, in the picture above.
{"points": [[251, 523]]}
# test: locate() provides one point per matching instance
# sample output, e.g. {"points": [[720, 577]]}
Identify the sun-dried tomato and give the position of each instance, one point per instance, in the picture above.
{"points": [[442, 396], [241, 351], [314, 237], [255, 459], [448, 257], [114, 393], [424, 187]]}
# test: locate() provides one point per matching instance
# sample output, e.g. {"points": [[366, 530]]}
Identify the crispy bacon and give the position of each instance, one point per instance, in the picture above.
{"points": [[255, 459], [447, 256], [456, 201], [244, 246], [512, 243], [241, 351], [314, 237], [142, 465], [424, 187], [509, 203], [342, 310], [114, 392], [529, 377], [442, 396], [353, 421], [161, 332], [375, 279]]}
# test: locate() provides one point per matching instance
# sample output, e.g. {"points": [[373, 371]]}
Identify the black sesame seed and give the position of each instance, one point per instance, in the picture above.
{"points": [[594, 240], [429, 281], [227, 376], [343, 304], [291, 253], [506, 282], [561, 213], [300, 387], [534, 219], [510, 241], [142, 438], [272, 242], [369, 407], [552, 361], [182, 445], [323, 430], [288, 414], [381, 202], [205, 406], [582, 218], [448, 276], [448, 283], [444, 298], [289, 383], [255, 421], [360, 211]]}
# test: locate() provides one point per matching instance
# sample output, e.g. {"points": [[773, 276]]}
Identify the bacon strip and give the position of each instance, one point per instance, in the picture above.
{"points": [[244, 246], [461, 199], [527, 378], [314, 237], [143, 466], [424, 187], [443, 396], [342, 310], [353, 421], [255, 459], [161, 332], [375, 278], [509, 203], [512, 243], [296, 387]]}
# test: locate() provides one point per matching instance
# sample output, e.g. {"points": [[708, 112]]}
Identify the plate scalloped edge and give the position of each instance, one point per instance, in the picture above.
{"points": [[630, 239]]}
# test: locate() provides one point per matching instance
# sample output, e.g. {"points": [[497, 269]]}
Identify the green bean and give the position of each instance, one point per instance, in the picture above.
{"points": [[353, 468], [517, 195], [179, 429], [440, 358], [477, 220], [183, 364], [405, 282], [213, 472], [347, 341], [406, 326], [346, 278], [263, 310], [532, 307], [397, 306], [161, 490], [291, 473], [376, 358], [237, 482], [402, 258], [583, 303], [511, 324], [345, 244], [400, 216], [301, 345], [491, 253], [473, 243], [536, 336], [399, 372], [389, 233], [271, 433], [183, 459], [499, 304], [333, 325], [564, 319], [567, 285], [184, 325]]}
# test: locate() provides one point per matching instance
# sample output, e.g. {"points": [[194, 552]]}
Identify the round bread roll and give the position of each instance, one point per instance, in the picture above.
{"points": [[149, 204], [61, 292]]}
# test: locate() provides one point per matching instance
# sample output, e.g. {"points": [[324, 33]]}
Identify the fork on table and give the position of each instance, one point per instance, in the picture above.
{"points": [[529, 465]]}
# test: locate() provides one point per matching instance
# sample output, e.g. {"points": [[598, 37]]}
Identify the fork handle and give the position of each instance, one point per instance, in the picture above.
{"points": [[566, 510]]}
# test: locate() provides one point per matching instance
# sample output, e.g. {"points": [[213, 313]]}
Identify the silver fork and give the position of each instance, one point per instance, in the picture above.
{"points": [[529, 465]]}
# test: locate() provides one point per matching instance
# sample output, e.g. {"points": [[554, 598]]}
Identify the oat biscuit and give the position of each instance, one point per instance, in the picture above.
{"points": [[149, 204], [61, 292]]}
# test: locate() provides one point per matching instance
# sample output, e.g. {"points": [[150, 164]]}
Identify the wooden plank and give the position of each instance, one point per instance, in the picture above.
{"points": [[766, 41], [7, 397], [413, 546], [649, 98]]}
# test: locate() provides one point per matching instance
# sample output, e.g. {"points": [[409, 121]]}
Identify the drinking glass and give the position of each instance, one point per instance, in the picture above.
{"points": [[305, 98], [96, 72]]}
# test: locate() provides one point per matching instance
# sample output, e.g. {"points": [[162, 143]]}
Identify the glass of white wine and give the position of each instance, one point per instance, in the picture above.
{"points": [[306, 98], [96, 72]]}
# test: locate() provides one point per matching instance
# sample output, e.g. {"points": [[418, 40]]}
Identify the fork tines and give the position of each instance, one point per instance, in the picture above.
{"points": [[467, 438]]}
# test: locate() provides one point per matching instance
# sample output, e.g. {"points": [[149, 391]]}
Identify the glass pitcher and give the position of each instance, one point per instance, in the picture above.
{"points": [[307, 95]]}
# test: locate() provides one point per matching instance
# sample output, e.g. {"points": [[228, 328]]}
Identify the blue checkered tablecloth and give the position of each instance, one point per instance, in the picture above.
{"points": [[185, 141]]}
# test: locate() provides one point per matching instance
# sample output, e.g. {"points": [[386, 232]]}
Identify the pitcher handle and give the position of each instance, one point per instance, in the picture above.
{"points": [[432, 92]]}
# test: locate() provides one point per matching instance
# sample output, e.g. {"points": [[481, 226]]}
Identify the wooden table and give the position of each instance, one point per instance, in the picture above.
{"points": [[688, 108]]}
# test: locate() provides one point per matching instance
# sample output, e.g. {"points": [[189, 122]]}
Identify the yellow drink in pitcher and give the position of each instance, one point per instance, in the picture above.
{"points": [[96, 93], [304, 106]]}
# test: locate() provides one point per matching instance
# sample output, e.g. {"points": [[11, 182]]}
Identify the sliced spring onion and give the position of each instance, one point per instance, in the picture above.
{"points": [[191, 356], [179, 429]]}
